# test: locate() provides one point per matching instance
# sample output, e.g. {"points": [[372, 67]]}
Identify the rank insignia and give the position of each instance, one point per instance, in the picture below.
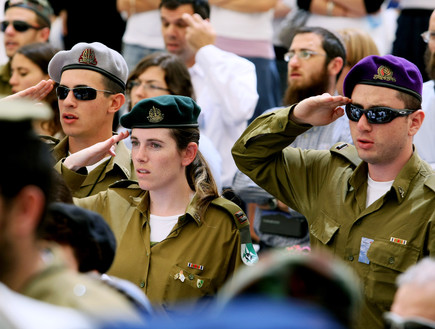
{"points": [[241, 217], [199, 283], [195, 266], [180, 276], [399, 241], [155, 115], [88, 57], [384, 73]]}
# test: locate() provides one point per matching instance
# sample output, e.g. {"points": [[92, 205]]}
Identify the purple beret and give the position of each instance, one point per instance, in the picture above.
{"points": [[385, 71]]}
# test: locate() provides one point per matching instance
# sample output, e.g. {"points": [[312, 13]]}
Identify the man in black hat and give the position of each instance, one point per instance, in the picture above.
{"points": [[25, 22], [371, 204], [91, 90]]}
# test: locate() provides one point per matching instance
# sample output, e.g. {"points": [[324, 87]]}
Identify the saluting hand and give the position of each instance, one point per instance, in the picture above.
{"points": [[199, 32], [37, 92], [319, 110], [94, 153]]}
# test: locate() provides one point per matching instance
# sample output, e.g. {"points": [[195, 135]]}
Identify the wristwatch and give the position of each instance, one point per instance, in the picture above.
{"points": [[272, 203]]}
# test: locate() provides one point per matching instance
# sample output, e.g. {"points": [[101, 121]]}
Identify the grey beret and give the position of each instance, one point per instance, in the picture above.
{"points": [[90, 56]]}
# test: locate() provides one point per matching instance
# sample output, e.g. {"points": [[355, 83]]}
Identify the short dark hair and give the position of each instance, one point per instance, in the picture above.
{"points": [[200, 7], [331, 43]]}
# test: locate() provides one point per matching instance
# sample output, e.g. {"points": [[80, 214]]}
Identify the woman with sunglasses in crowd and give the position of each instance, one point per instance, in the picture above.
{"points": [[162, 73], [177, 239], [29, 66]]}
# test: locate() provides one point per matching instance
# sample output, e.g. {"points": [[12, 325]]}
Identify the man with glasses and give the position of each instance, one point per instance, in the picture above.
{"points": [[25, 22], [315, 60], [91, 89], [424, 140], [414, 302], [371, 204]]}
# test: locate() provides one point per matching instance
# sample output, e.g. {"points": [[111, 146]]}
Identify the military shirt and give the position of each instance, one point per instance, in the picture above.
{"points": [[191, 263], [329, 187], [59, 285], [5, 75], [82, 185]]}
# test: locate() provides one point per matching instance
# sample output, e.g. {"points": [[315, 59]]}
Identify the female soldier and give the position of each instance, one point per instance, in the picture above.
{"points": [[29, 66], [177, 239]]}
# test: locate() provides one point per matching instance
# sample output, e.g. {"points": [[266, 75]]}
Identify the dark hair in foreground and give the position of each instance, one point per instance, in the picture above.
{"points": [[198, 173], [200, 7]]}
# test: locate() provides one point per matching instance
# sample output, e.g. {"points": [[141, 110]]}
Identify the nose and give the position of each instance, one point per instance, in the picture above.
{"points": [[363, 124], [294, 61], [140, 154], [70, 99], [13, 81]]}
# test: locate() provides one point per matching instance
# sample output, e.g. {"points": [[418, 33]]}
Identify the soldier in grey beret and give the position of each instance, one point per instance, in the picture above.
{"points": [[91, 89]]}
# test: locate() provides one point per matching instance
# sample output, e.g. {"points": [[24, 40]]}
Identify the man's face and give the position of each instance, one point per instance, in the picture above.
{"points": [[85, 119], [174, 31], [14, 39], [381, 144], [430, 51], [306, 77]]}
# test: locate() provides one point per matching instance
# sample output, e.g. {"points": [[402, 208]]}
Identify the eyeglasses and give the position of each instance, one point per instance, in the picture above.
{"points": [[19, 26], [395, 321], [380, 114], [146, 85], [81, 93], [301, 54], [428, 36]]}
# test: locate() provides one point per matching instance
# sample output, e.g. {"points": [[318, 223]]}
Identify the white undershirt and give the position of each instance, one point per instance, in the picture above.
{"points": [[161, 226], [376, 189]]}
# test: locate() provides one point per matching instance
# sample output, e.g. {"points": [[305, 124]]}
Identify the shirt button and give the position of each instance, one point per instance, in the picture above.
{"points": [[142, 284], [391, 260], [350, 258]]}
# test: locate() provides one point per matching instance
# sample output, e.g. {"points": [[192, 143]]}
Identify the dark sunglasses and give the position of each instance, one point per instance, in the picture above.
{"points": [[19, 26], [380, 114], [80, 93]]}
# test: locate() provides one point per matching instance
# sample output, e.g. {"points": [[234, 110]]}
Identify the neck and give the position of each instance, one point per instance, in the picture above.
{"points": [[76, 144], [388, 172], [171, 201]]}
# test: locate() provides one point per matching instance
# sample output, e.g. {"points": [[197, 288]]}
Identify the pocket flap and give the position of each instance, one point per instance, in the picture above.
{"points": [[392, 255], [324, 228]]}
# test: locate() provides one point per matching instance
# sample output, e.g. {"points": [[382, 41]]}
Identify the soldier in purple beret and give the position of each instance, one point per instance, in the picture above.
{"points": [[371, 204]]}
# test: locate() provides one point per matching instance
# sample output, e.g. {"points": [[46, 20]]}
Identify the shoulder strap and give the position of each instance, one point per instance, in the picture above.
{"points": [[347, 151]]}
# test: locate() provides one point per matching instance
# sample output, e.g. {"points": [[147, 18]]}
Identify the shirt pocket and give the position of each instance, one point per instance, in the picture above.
{"points": [[387, 261], [323, 228], [185, 283]]}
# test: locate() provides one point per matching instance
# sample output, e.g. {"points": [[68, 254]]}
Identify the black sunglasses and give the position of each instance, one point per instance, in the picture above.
{"points": [[380, 114], [19, 26], [80, 93]]}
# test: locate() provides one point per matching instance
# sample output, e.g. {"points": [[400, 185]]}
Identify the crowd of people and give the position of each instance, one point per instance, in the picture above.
{"points": [[170, 170]]}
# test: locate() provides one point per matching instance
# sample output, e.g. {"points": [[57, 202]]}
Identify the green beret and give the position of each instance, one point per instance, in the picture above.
{"points": [[167, 111]]}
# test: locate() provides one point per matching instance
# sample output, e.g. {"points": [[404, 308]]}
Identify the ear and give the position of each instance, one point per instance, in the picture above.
{"points": [[416, 120], [117, 101], [189, 154], [27, 211], [335, 65], [44, 34]]}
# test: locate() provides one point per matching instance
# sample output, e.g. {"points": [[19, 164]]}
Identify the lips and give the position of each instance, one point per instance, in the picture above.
{"points": [[69, 118], [364, 143], [142, 171]]}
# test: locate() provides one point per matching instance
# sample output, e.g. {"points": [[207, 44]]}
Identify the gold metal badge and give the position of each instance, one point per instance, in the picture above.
{"points": [[88, 57], [384, 73], [155, 115]]}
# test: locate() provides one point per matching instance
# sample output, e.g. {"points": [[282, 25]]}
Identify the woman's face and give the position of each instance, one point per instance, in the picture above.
{"points": [[150, 83], [25, 73], [157, 161]]}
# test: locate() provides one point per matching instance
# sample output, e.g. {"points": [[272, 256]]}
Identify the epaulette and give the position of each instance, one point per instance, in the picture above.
{"points": [[430, 182], [347, 151], [127, 188], [50, 140], [248, 254]]}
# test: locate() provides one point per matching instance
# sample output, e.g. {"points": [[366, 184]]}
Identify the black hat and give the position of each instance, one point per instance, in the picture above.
{"points": [[90, 236], [167, 111]]}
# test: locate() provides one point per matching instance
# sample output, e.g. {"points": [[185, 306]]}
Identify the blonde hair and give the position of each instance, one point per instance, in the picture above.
{"points": [[359, 44]]}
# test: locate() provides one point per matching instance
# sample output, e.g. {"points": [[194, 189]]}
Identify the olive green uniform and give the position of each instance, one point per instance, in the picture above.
{"points": [[329, 188], [59, 285], [82, 185], [191, 263], [5, 75]]}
